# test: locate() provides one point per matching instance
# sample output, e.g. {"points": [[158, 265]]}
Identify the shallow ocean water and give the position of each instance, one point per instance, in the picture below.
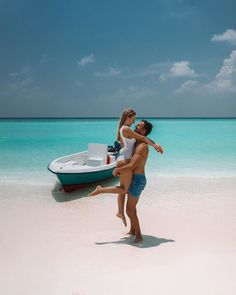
{"points": [[196, 147]]}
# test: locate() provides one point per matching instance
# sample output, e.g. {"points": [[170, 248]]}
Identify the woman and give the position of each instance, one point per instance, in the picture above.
{"points": [[127, 138]]}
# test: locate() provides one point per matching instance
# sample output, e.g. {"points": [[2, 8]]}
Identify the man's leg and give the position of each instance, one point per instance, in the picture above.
{"points": [[131, 205], [132, 230]]}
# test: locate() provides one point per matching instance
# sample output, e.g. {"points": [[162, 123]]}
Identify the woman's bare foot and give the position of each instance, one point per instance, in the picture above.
{"points": [[138, 239], [96, 191], [122, 217]]}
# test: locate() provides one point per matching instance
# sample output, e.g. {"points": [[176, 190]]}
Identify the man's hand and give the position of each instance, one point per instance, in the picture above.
{"points": [[158, 148], [116, 172]]}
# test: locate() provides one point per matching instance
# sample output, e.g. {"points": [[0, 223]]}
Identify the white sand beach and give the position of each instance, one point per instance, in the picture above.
{"points": [[71, 244]]}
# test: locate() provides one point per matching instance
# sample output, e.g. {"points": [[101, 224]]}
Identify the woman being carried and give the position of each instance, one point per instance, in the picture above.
{"points": [[127, 138]]}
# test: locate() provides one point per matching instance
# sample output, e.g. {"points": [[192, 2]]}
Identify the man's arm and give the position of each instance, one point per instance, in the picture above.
{"points": [[140, 150], [127, 131]]}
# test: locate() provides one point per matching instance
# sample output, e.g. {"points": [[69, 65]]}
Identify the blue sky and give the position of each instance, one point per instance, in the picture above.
{"points": [[94, 58]]}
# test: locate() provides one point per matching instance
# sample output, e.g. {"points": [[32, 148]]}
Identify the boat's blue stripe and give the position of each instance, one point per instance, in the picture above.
{"points": [[83, 178]]}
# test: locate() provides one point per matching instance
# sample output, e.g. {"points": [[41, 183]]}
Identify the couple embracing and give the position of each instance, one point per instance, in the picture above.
{"points": [[131, 168]]}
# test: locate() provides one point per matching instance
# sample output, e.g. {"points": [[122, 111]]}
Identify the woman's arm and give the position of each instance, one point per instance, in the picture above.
{"points": [[129, 132], [138, 155]]}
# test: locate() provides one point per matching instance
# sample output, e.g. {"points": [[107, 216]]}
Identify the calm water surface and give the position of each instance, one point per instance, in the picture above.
{"points": [[192, 146]]}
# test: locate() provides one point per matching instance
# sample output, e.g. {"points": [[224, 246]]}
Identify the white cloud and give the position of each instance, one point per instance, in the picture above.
{"points": [[224, 82], [182, 69], [86, 60], [25, 88], [26, 69], [151, 70], [186, 86], [26, 81], [109, 73], [228, 36], [179, 69], [18, 85], [22, 84], [20, 79], [226, 78]]}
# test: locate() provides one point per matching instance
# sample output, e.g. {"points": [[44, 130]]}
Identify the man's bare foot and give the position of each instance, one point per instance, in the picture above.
{"points": [[131, 232], [122, 217], [138, 239], [96, 191]]}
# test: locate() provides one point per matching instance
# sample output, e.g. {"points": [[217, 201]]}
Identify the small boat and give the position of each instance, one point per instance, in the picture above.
{"points": [[81, 169]]}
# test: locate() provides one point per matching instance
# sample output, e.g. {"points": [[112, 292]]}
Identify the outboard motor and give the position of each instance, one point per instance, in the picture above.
{"points": [[114, 149], [117, 146]]}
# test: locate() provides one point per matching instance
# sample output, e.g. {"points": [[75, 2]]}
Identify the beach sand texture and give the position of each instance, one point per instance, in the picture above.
{"points": [[57, 243]]}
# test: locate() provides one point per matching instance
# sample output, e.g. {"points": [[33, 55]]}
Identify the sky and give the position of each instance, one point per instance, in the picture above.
{"points": [[163, 58]]}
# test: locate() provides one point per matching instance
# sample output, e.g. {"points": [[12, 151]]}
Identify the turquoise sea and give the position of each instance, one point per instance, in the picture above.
{"points": [[202, 147]]}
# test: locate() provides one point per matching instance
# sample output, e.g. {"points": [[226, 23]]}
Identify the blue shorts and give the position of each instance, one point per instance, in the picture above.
{"points": [[137, 185]]}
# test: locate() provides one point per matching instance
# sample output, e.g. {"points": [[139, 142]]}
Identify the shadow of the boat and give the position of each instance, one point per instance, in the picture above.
{"points": [[61, 196]]}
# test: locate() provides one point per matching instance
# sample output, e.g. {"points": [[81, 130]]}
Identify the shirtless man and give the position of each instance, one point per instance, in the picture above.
{"points": [[138, 183]]}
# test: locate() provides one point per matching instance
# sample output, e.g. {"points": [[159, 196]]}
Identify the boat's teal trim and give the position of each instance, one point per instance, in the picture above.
{"points": [[83, 178]]}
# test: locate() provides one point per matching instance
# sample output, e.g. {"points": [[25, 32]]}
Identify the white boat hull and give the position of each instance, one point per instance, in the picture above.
{"points": [[74, 172]]}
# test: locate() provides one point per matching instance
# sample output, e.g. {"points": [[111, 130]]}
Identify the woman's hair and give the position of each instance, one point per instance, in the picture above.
{"points": [[128, 113]]}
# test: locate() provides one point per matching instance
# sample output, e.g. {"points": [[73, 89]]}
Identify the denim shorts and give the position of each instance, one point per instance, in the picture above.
{"points": [[137, 185]]}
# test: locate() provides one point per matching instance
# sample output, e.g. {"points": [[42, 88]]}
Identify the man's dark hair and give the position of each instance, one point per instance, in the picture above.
{"points": [[148, 126]]}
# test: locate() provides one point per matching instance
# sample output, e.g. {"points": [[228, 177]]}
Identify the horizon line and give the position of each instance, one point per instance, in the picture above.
{"points": [[73, 118]]}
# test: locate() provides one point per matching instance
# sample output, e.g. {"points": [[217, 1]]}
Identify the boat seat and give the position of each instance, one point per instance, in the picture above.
{"points": [[97, 154], [71, 162]]}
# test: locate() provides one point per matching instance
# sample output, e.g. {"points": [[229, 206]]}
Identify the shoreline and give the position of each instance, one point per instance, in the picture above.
{"points": [[47, 178]]}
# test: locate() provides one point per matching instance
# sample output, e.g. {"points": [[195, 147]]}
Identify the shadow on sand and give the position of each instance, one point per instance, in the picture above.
{"points": [[60, 196], [147, 242]]}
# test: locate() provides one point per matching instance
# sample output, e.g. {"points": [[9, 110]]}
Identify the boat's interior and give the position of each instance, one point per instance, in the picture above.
{"points": [[96, 156]]}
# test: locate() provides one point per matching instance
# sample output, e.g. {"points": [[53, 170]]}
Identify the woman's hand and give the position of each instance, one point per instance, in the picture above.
{"points": [[158, 148], [116, 172]]}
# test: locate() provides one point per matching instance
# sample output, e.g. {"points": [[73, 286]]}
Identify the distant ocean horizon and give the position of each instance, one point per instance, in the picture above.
{"points": [[141, 117], [202, 147]]}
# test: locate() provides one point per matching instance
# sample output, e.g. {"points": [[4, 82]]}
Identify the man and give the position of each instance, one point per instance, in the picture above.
{"points": [[138, 183]]}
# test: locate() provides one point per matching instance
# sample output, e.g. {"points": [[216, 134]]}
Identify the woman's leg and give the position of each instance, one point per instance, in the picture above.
{"points": [[125, 181], [112, 189], [107, 190], [121, 204], [122, 189]]}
